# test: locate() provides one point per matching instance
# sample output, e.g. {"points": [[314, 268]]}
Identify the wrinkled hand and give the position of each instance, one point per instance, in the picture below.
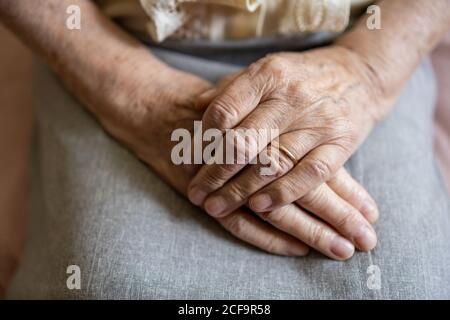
{"points": [[321, 101]]}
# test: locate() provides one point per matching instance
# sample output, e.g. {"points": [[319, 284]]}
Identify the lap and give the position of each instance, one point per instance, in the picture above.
{"points": [[96, 206]]}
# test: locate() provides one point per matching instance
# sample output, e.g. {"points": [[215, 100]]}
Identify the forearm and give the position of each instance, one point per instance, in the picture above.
{"points": [[88, 60], [410, 30]]}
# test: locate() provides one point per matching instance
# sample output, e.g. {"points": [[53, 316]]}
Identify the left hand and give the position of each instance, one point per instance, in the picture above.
{"points": [[324, 104]]}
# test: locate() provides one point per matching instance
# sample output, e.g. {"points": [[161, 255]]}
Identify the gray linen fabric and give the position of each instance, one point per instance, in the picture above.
{"points": [[96, 206]]}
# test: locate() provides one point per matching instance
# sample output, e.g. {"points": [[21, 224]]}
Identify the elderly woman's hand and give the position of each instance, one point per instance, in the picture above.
{"points": [[322, 102]]}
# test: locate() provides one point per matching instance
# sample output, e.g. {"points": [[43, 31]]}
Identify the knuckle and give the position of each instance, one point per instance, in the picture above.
{"points": [[227, 170], [291, 189], [318, 168], [311, 199], [353, 136], [208, 179], [285, 193], [208, 182], [275, 217], [316, 235], [285, 162], [276, 169], [272, 245], [254, 68], [222, 112]]}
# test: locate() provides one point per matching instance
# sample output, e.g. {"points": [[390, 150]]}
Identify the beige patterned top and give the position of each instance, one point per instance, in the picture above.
{"points": [[231, 19]]}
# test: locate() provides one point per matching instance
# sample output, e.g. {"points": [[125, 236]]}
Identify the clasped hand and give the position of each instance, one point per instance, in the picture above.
{"points": [[320, 102]]}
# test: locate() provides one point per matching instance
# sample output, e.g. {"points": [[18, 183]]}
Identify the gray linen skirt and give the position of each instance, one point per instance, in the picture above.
{"points": [[94, 205]]}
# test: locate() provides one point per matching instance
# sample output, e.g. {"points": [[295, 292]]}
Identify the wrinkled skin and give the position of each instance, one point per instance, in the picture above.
{"points": [[322, 103], [144, 121]]}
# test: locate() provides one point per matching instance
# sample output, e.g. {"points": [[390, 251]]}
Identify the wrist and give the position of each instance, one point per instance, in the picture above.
{"points": [[382, 88], [140, 91]]}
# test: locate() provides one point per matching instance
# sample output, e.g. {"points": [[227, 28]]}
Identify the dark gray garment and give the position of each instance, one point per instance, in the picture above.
{"points": [[96, 206]]}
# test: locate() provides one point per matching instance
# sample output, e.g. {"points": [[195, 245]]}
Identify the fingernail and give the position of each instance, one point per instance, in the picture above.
{"points": [[365, 238], [197, 196], [298, 250], [342, 248], [369, 209], [215, 206], [261, 202]]}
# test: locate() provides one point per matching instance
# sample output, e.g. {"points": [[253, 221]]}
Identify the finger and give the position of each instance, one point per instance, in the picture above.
{"points": [[205, 99], [350, 190], [235, 101], [327, 205], [315, 168], [310, 230], [252, 230], [271, 165], [241, 146], [255, 133]]}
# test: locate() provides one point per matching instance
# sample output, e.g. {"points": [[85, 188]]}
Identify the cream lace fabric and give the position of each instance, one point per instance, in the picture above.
{"points": [[231, 19]]}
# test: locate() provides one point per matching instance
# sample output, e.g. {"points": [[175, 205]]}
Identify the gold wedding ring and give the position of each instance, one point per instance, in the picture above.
{"points": [[283, 149]]}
